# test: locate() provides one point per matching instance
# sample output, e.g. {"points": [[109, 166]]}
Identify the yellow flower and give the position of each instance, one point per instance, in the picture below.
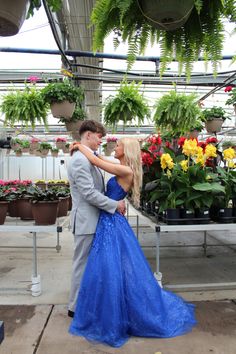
{"points": [[184, 165], [229, 154], [67, 73], [231, 164], [169, 174], [200, 159], [208, 178], [190, 147], [166, 161], [210, 151]]}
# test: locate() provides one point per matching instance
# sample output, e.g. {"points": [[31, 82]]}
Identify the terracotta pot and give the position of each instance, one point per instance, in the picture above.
{"points": [[63, 109], [45, 212], [12, 209], [18, 154], [12, 16], [34, 146], [166, 14], [54, 154], [63, 207], [214, 125], [24, 208], [3, 211]]}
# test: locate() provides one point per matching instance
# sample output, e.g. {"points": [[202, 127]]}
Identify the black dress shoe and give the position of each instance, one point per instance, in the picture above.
{"points": [[71, 313]]}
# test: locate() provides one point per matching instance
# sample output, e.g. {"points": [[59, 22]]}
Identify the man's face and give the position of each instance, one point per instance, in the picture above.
{"points": [[94, 140]]}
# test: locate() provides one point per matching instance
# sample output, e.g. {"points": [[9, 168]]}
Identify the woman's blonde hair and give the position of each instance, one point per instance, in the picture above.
{"points": [[132, 154]]}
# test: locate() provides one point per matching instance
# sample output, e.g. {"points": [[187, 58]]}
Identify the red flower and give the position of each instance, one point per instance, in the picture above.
{"points": [[211, 140], [168, 144], [202, 144], [155, 139], [228, 88], [147, 159], [181, 141]]}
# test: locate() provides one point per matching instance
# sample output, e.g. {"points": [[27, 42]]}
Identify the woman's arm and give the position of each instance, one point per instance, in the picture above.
{"points": [[110, 167]]}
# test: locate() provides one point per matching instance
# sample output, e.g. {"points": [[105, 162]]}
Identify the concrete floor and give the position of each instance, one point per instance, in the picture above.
{"points": [[39, 325]]}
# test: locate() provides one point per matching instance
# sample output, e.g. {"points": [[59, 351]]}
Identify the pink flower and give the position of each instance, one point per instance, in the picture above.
{"points": [[111, 138], [61, 140], [33, 79], [228, 88], [34, 140]]}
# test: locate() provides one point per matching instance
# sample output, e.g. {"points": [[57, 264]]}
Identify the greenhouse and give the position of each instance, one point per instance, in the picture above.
{"points": [[117, 176]]}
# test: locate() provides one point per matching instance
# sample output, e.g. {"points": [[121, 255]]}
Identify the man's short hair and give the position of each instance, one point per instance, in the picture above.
{"points": [[92, 126]]}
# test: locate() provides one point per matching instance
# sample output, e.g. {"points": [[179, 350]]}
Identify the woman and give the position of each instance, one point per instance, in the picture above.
{"points": [[119, 296]]}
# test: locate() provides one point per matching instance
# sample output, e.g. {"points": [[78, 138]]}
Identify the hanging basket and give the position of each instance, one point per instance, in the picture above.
{"points": [[167, 15], [73, 128], [12, 16], [214, 125], [63, 109]]}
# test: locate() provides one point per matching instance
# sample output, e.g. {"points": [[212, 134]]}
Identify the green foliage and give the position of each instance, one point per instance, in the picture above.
{"points": [[214, 112], [54, 5], [203, 33], [26, 107], [62, 90], [37, 194], [177, 112], [232, 97], [6, 194], [44, 146], [127, 105]]}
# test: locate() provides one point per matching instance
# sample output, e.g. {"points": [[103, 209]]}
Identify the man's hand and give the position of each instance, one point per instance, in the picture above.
{"points": [[121, 207]]}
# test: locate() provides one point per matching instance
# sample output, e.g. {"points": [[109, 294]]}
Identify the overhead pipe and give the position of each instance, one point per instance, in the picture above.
{"points": [[79, 53]]}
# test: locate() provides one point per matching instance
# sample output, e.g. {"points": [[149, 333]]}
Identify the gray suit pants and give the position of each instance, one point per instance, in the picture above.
{"points": [[81, 251]]}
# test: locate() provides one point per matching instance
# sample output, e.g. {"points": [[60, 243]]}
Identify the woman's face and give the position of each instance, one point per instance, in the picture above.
{"points": [[119, 150]]}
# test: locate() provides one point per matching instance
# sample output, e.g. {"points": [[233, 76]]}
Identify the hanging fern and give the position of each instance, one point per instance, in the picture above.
{"points": [[177, 112], [202, 34], [128, 105]]}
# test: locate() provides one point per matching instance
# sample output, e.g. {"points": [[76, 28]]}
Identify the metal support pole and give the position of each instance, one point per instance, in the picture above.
{"points": [[205, 244], [58, 246], [158, 274], [35, 270]]}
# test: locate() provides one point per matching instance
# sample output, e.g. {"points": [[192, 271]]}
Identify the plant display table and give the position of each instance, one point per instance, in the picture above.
{"points": [[33, 230], [160, 228]]}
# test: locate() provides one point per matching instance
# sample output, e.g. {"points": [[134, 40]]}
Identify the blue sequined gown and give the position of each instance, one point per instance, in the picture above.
{"points": [[119, 296]]}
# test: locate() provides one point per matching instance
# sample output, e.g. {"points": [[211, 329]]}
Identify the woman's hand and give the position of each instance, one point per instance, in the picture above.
{"points": [[74, 147]]}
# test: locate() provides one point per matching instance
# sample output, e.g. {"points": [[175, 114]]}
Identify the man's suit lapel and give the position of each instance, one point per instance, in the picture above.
{"points": [[100, 173]]}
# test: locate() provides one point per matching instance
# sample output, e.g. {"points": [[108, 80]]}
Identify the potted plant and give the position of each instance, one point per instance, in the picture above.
{"points": [[44, 148], [131, 21], [232, 97], [62, 97], [26, 107], [126, 106], [18, 152], [60, 142], [34, 143], [54, 151], [177, 112], [40, 183], [13, 13], [73, 124], [66, 148], [63, 193], [6, 195], [15, 143], [214, 118], [195, 129], [44, 205], [25, 145], [110, 144]]}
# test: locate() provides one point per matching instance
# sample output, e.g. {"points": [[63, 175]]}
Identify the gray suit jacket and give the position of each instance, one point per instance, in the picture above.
{"points": [[87, 191]]}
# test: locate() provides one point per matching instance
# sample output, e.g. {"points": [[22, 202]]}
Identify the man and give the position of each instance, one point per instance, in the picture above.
{"points": [[87, 191]]}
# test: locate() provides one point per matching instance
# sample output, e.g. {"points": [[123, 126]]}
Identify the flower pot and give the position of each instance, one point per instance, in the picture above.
{"points": [[110, 147], [18, 153], [166, 14], [73, 128], [202, 213], [225, 213], [25, 150], [63, 109], [193, 134], [3, 211], [70, 203], [12, 209], [45, 212], [171, 216], [24, 208], [12, 16], [214, 125], [63, 207], [34, 146], [54, 154], [44, 152], [66, 150], [60, 145]]}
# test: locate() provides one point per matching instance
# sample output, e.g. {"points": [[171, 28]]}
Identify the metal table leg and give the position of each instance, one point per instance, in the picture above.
{"points": [[35, 279], [158, 274]]}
